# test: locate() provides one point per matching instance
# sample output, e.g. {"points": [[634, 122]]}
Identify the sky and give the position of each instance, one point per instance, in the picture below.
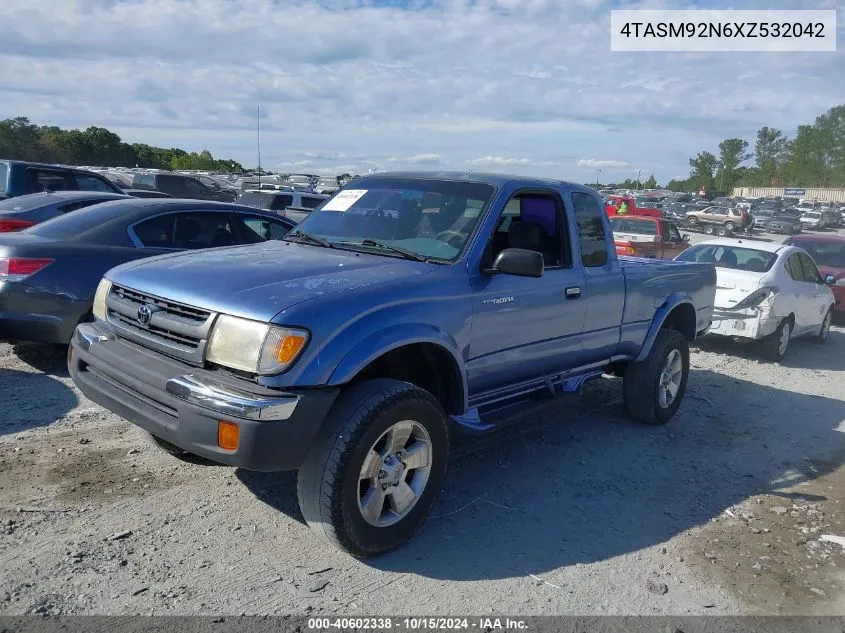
{"points": [[521, 86]]}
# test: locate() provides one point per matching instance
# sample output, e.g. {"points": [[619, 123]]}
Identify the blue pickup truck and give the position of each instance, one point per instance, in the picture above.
{"points": [[406, 307]]}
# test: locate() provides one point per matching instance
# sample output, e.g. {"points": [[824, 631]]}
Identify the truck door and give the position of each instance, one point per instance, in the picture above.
{"points": [[604, 294], [524, 328]]}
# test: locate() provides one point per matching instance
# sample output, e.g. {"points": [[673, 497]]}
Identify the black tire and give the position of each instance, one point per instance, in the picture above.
{"points": [[328, 481], [709, 229], [730, 226], [824, 329], [641, 382], [179, 453], [692, 220], [772, 343], [722, 231]]}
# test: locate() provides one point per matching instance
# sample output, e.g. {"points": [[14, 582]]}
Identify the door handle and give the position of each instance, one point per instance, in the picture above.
{"points": [[573, 293]]}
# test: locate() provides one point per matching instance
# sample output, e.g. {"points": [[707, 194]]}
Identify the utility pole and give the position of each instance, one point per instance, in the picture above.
{"points": [[258, 141], [598, 171], [639, 172]]}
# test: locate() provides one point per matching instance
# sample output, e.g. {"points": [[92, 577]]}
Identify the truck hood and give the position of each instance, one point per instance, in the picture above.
{"points": [[260, 281], [732, 286]]}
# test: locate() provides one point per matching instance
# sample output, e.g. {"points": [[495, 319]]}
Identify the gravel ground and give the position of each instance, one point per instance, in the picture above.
{"points": [[579, 512]]}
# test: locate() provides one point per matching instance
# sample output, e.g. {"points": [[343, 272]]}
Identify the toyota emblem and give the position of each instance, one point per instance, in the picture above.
{"points": [[144, 315]]}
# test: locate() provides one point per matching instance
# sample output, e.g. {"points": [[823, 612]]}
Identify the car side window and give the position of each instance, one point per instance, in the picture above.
{"points": [[38, 180], [310, 202], [793, 267], [811, 273], [91, 183], [591, 233], [533, 222], [281, 202], [194, 187], [73, 206], [173, 185], [156, 232], [260, 228], [671, 232]]}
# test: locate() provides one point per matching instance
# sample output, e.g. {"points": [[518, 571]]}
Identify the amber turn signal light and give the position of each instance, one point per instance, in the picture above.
{"points": [[228, 435], [288, 348]]}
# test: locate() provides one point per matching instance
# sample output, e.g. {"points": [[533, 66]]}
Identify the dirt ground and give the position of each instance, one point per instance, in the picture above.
{"points": [[583, 512]]}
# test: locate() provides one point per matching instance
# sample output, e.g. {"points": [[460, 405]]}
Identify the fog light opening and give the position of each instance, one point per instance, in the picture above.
{"points": [[228, 435]]}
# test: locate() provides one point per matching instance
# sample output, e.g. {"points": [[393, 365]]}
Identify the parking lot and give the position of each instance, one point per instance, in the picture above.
{"points": [[722, 511]]}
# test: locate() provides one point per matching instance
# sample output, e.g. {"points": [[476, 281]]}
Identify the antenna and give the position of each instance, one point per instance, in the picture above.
{"points": [[258, 140]]}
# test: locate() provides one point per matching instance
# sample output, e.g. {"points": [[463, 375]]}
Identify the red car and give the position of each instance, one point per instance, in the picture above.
{"points": [[612, 207], [828, 251]]}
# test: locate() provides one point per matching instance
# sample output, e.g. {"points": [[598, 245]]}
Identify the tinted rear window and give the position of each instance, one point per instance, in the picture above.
{"points": [[4, 170], [83, 220], [31, 201], [735, 257]]}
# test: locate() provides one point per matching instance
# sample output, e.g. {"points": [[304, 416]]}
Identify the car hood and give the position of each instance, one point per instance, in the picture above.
{"points": [[732, 286], [260, 281]]}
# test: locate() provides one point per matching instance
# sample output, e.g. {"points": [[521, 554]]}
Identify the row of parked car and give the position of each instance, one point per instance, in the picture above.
{"points": [[726, 216]]}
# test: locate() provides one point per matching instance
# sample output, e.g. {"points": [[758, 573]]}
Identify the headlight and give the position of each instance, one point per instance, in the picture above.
{"points": [[103, 290], [259, 348]]}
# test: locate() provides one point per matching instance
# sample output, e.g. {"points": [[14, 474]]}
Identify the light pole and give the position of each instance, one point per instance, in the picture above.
{"points": [[639, 172], [598, 171]]}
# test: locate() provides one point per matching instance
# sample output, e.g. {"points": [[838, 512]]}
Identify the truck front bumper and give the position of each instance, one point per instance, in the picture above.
{"points": [[183, 405], [751, 323]]}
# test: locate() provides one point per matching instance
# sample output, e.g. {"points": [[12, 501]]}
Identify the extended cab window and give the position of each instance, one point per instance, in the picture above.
{"points": [[310, 202], [278, 203], [589, 217]]}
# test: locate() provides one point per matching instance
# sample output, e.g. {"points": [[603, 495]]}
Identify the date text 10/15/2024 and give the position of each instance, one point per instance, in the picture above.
{"points": [[416, 624], [646, 30]]}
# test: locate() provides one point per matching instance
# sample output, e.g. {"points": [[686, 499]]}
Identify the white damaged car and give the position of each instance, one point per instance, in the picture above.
{"points": [[765, 291]]}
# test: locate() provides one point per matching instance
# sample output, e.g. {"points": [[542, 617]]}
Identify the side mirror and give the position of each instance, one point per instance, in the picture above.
{"points": [[520, 262], [685, 237], [830, 279]]}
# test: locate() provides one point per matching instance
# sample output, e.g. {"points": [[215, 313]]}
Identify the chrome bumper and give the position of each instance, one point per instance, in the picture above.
{"points": [[229, 402], [205, 394]]}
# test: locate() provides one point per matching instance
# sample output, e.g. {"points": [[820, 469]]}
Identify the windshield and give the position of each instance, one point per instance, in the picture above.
{"points": [[428, 217], [828, 254], [734, 257], [813, 214]]}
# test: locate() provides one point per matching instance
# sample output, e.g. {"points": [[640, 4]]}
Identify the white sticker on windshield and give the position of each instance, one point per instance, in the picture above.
{"points": [[345, 199]]}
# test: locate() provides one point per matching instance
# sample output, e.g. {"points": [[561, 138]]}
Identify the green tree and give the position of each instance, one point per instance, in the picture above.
{"points": [[732, 153], [770, 153], [703, 167], [651, 183]]}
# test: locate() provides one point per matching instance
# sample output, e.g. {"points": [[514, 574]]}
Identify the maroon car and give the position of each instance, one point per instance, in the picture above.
{"points": [[828, 251]]}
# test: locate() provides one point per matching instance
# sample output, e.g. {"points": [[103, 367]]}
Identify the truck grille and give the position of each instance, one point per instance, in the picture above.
{"points": [[173, 328]]}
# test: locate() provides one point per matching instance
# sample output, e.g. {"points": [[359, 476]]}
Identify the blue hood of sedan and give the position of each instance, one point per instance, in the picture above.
{"points": [[260, 281]]}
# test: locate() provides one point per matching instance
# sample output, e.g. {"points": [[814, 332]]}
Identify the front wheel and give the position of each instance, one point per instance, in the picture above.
{"points": [[730, 227], [654, 388], [376, 469]]}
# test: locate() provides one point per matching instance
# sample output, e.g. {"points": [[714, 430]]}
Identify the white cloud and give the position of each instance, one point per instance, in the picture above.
{"points": [[353, 84], [499, 161], [592, 163]]}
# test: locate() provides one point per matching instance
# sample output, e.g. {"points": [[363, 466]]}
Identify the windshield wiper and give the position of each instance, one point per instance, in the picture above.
{"points": [[302, 235], [389, 247]]}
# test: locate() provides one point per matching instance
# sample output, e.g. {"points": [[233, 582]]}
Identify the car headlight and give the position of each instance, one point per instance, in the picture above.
{"points": [[103, 289], [259, 348]]}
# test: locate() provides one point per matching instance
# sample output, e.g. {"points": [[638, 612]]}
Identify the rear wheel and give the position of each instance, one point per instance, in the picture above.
{"points": [[722, 231], [654, 388], [775, 346], [374, 472], [824, 330], [709, 229]]}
